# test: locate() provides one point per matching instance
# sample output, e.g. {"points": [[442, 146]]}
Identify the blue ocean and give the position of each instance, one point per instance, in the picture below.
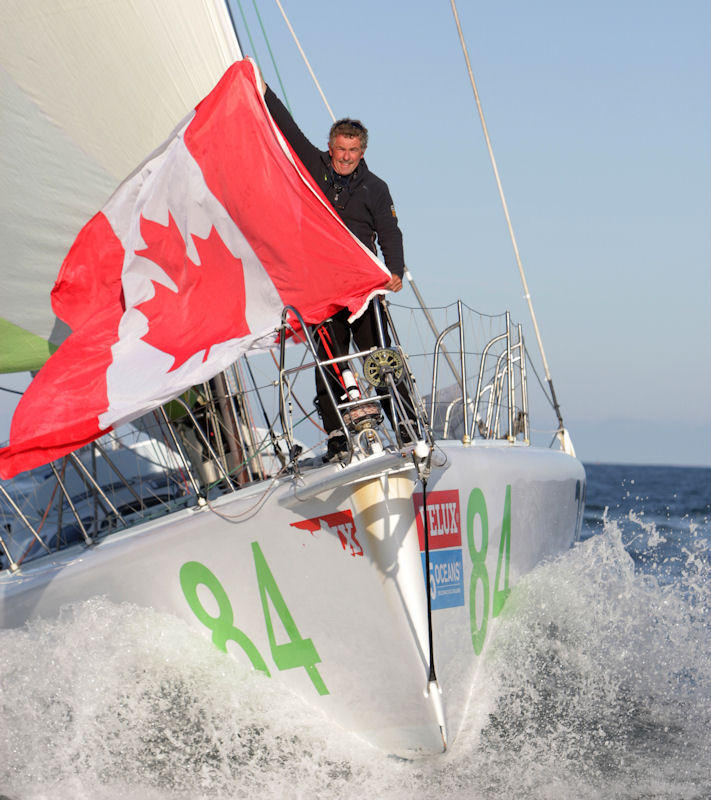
{"points": [[598, 686]]}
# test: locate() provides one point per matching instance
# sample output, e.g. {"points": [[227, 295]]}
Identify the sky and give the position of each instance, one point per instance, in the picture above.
{"points": [[600, 120]]}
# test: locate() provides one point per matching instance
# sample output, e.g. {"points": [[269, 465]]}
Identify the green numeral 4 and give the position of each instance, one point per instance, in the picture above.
{"points": [[500, 595], [297, 652]]}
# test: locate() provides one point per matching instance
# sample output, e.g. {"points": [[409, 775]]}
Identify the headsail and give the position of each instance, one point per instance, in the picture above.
{"points": [[87, 90]]}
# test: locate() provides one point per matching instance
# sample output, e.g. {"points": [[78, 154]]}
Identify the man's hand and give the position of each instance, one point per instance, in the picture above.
{"points": [[394, 284]]}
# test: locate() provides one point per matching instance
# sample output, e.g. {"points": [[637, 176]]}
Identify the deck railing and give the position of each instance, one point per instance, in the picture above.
{"points": [[208, 441]]}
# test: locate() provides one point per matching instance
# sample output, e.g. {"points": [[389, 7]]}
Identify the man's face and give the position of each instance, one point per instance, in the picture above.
{"points": [[346, 153]]}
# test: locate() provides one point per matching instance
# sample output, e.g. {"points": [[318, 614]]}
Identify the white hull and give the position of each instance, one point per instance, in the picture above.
{"points": [[337, 574], [317, 581]]}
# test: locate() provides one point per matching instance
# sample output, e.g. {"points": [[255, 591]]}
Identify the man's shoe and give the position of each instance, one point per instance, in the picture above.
{"points": [[337, 449]]}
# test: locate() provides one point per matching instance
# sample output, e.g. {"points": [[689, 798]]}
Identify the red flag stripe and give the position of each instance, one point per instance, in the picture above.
{"points": [[57, 414]]}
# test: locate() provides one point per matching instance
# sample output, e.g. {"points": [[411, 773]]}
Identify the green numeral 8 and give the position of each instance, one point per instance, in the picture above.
{"points": [[296, 652], [477, 507], [192, 575]]}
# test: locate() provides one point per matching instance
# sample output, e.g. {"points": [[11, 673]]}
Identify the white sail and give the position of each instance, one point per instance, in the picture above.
{"points": [[87, 90]]}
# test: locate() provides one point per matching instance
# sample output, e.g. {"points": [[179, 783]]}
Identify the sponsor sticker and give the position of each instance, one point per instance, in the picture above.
{"points": [[446, 576], [339, 521], [443, 519]]}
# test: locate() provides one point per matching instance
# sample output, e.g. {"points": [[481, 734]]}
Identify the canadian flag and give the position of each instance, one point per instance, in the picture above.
{"points": [[188, 265]]}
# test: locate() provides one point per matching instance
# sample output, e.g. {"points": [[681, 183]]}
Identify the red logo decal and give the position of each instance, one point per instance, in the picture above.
{"points": [[443, 519], [339, 521]]}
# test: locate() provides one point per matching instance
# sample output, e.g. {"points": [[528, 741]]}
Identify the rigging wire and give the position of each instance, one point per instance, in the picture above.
{"points": [[432, 676], [538, 377], [308, 415], [270, 427], [271, 54], [246, 27], [527, 294], [306, 61]]}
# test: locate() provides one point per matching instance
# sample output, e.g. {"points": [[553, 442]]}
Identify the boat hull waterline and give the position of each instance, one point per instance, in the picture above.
{"points": [[323, 587]]}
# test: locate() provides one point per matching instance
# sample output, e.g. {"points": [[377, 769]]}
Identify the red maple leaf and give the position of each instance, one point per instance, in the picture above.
{"points": [[209, 305]]}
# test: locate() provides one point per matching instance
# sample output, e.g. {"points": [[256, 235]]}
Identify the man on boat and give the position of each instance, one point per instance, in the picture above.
{"points": [[362, 200]]}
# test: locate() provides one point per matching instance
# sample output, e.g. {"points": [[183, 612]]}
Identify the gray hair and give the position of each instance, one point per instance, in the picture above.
{"points": [[351, 128]]}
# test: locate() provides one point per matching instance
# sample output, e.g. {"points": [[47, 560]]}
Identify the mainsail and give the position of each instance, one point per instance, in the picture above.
{"points": [[87, 90]]}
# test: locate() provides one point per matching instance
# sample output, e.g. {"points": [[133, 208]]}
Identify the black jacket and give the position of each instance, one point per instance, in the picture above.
{"points": [[365, 206]]}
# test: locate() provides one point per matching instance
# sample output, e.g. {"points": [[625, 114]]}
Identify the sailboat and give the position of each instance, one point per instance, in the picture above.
{"points": [[371, 586]]}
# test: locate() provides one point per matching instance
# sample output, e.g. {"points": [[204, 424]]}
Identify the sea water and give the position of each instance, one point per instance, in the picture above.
{"points": [[598, 685]]}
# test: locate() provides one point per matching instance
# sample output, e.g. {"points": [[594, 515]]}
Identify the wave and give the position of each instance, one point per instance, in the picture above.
{"points": [[598, 684]]}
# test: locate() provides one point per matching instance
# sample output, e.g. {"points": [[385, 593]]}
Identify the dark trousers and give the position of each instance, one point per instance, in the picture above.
{"points": [[336, 338]]}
